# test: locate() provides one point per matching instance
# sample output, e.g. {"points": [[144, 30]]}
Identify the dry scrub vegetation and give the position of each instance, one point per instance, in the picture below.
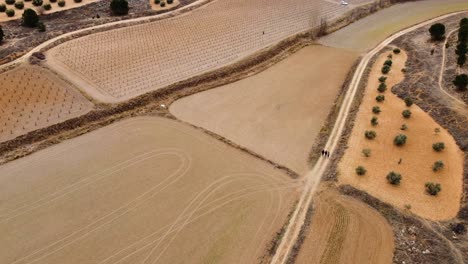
{"points": [[143, 190], [32, 98], [126, 62], [414, 160]]}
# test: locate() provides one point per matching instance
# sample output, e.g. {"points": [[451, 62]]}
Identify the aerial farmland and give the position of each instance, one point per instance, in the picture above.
{"points": [[232, 131]]}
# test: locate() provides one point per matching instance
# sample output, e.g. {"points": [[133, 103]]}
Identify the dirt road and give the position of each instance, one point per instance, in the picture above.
{"points": [[313, 177]]}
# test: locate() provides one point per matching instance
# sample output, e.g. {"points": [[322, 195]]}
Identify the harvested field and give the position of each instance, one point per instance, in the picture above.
{"points": [[413, 161], [345, 230], [69, 4], [368, 32], [276, 113], [144, 190], [123, 63], [32, 97]]}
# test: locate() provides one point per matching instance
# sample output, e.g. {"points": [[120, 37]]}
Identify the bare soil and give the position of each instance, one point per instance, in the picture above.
{"points": [[164, 186], [413, 161], [32, 97], [345, 230], [369, 31], [277, 111]]}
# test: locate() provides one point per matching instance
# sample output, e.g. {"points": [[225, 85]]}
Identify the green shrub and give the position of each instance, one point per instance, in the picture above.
{"points": [[439, 146], [53, 1], [437, 31], [19, 5], [438, 165], [408, 101], [404, 127], [10, 2], [119, 7], [1, 35], [370, 134], [376, 110], [157, 2], [382, 87], [366, 152], [2, 8], [77, 1], [400, 140], [10, 12], [360, 170], [374, 121], [61, 3], [382, 79], [41, 27], [463, 21], [388, 62], [170, 2], [162, 4], [461, 81], [396, 50], [433, 188], [406, 113], [37, 2], [463, 33], [30, 18], [461, 49], [47, 7], [461, 60], [394, 178], [380, 98], [385, 69]]}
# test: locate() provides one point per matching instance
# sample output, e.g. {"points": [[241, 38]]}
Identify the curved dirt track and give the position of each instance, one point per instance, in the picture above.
{"points": [[313, 177], [120, 64], [140, 191], [347, 231]]}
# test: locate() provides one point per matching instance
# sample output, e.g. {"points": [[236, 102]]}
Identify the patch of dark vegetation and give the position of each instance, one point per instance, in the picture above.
{"points": [[416, 241]]}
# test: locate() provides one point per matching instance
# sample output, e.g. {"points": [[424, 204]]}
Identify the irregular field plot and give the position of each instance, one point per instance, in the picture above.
{"points": [[277, 113], [345, 230], [369, 31], [144, 190], [69, 4], [32, 97], [122, 63], [417, 156]]}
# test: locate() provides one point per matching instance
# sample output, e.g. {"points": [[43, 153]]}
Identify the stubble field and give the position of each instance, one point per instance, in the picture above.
{"points": [[123, 63], [32, 97], [413, 161], [277, 113], [344, 230], [144, 190]]}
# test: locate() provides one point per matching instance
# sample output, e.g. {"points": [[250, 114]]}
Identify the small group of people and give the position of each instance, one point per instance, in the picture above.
{"points": [[325, 153]]}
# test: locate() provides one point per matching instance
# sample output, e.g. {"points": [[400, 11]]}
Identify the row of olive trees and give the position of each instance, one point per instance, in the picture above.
{"points": [[461, 80]]}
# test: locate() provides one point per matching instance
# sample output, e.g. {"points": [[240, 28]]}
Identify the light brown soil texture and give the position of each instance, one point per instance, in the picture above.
{"points": [[143, 190], [123, 63], [413, 161], [278, 112], [69, 4], [32, 97], [368, 32], [345, 230]]}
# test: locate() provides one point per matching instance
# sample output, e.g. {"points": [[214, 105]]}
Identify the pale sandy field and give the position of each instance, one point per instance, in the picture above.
{"points": [[368, 32], [345, 230], [32, 97], [120, 64], [69, 4], [158, 7], [144, 190], [277, 113], [417, 156]]}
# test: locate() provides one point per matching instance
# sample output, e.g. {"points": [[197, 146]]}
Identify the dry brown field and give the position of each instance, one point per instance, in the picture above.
{"points": [[32, 97], [277, 113], [144, 190], [413, 161], [122, 63], [369, 31], [344, 230], [69, 4]]}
